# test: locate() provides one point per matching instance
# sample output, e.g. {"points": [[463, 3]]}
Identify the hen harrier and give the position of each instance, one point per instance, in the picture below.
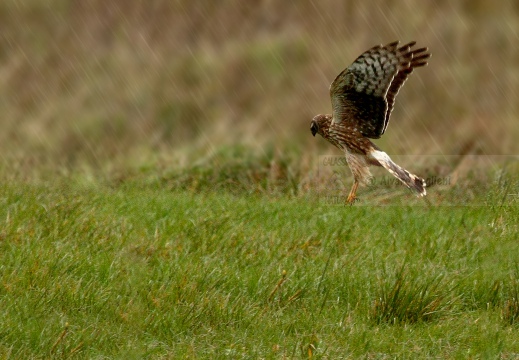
{"points": [[362, 97]]}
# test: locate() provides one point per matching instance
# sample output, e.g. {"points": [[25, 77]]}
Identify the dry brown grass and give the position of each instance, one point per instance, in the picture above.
{"points": [[130, 82]]}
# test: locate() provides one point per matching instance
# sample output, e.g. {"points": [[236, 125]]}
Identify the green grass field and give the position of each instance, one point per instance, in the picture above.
{"points": [[137, 270], [161, 195]]}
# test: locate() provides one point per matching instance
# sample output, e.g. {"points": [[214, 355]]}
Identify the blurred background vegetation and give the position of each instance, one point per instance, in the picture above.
{"points": [[112, 86]]}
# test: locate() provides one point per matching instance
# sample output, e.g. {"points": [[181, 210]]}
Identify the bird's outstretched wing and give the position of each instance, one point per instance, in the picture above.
{"points": [[364, 93]]}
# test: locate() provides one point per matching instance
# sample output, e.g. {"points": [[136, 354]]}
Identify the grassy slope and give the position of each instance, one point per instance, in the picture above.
{"points": [[98, 82], [138, 271]]}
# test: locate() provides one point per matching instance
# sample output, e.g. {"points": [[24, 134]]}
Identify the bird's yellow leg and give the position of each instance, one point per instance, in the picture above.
{"points": [[351, 197]]}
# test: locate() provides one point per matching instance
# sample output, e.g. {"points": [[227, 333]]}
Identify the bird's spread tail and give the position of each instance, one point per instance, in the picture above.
{"points": [[413, 182]]}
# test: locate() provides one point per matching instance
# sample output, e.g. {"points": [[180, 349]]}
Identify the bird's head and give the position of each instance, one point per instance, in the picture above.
{"points": [[320, 124]]}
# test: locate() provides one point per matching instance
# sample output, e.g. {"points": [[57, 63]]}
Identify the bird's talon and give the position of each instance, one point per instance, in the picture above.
{"points": [[351, 200]]}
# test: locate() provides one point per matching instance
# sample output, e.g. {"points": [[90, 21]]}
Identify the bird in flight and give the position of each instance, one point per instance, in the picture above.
{"points": [[362, 97]]}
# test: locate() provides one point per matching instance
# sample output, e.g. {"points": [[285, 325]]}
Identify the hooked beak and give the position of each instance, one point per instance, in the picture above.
{"points": [[313, 129]]}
